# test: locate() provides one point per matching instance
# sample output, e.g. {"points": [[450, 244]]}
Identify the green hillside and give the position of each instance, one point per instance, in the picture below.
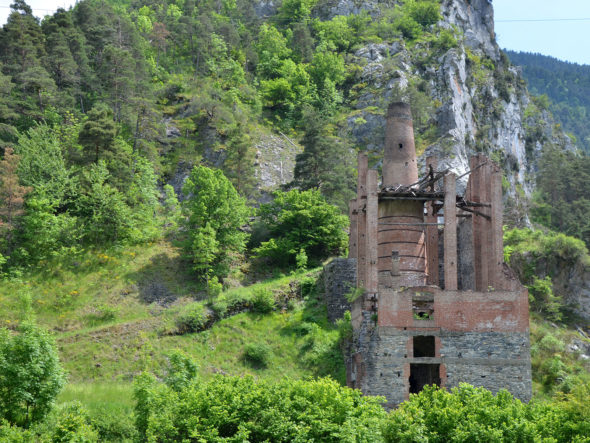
{"points": [[567, 85]]}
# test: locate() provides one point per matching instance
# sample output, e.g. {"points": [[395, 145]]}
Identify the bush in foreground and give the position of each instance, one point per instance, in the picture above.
{"points": [[30, 374], [244, 409]]}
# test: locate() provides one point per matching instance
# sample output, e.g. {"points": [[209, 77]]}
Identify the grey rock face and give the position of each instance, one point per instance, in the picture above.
{"points": [[476, 19], [275, 163], [472, 115], [265, 8], [332, 8]]}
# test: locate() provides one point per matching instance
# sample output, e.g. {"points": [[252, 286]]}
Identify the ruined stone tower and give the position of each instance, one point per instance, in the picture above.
{"points": [[437, 305]]}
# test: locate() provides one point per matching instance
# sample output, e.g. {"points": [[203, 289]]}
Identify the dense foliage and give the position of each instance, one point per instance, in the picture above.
{"points": [[301, 221], [30, 374], [562, 203], [242, 409], [474, 414], [215, 214], [566, 84]]}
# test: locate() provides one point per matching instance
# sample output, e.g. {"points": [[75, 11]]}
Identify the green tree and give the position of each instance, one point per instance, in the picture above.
{"points": [[295, 11], [42, 165], [98, 133], [8, 114], [239, 162], [101, 208], [44, 232], [327, 160], [272, 50], [215, 214], [301, 221], [22, 44], [74, 425], [30, 374]]}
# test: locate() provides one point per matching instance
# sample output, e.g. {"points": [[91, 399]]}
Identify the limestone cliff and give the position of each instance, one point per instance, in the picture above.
{"points": [[479, 102]]}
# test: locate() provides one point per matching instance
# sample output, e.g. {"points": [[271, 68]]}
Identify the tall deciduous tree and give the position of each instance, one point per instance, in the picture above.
{"points": [[215, 214], [299, 221]]}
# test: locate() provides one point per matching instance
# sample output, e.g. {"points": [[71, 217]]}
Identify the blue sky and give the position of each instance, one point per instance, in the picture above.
{"points": [[566, 37], [566, 40]]}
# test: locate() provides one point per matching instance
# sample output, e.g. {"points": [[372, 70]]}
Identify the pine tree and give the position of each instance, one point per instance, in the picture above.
{"points": [[21, 40], [8, 114], [327, 161], [98, 132]]}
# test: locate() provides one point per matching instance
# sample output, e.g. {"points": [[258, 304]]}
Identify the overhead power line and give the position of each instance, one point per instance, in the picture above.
{"points": [[542, 20], [33, 8]]}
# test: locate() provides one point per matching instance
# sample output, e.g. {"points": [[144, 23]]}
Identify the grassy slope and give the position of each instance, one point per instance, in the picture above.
{"points": [[109, 326]]}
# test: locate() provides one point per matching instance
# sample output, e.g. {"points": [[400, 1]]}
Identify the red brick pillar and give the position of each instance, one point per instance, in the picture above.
{"points": [[353, 231], [363, 165], [476, 184], [497, 251], [486, 238], [431, 234], [371, 240], [450, 238]]}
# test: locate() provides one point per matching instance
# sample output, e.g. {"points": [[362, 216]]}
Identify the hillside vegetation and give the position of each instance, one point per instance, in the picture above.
{"points": [[182, 295], [565, 84]]}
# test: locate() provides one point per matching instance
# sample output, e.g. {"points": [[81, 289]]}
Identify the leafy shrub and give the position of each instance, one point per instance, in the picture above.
{"points": [[299, 220], [245, 409], [14, 434], [307, 285], [425, 13], [301, 260], [192, 318], [102, 314], [214, 287], [181, 370], [73, 425], [257, 354], [263, 301], [30, 374], [409, 27], [463, 414], [219, 307], [542, 298], [551, 344], [113, 424]]}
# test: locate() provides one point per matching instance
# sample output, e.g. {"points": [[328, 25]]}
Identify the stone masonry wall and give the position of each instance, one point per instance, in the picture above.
{"points": [[339, 279], [491, 360]]}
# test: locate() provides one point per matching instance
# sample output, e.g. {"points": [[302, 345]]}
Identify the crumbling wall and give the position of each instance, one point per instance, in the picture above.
{"points": [[339, 279]]}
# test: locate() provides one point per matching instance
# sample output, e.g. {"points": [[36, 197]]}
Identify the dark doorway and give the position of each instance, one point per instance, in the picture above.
{"points": [[422, 375], [424, 346]]}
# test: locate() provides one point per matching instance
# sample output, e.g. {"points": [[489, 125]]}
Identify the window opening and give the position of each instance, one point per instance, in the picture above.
{"points": [[424, 346]]}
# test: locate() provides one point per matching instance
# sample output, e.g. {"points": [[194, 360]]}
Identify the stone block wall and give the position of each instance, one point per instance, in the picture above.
{"points": [[339, 280], [493, 360]]}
